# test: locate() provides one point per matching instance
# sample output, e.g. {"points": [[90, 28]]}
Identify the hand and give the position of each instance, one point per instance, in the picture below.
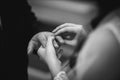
{"points": [[70, 28], [38, 40], [49, 51], [49, 55]]}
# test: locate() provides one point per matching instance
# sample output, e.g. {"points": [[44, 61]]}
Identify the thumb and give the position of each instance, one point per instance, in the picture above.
{"points": [[49, 47], [50, 41]]}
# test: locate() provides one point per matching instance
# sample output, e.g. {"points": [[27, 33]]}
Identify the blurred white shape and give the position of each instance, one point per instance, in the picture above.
{"points": [[62, 11], [77, 7], [54, 15]]}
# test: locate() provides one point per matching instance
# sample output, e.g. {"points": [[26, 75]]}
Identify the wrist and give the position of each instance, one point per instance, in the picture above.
{"points": [[54, 65]]}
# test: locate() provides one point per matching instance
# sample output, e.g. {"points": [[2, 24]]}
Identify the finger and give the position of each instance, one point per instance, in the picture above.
{"points": [[59, 53], [60, 39], [59, 27], [50, 40], [41, 51], [62, 26], [55, 44], [50, 43], [71, 42], [42, 39], [65, 29], [31, 46], [49, 47], [50, 50]]}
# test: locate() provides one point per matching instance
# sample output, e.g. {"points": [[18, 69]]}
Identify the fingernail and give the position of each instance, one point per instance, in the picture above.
{"points": [[56, 45]]}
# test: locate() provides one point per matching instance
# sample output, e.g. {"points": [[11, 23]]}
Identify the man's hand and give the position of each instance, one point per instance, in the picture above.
{"points": [[38, 40], [70, 28]]}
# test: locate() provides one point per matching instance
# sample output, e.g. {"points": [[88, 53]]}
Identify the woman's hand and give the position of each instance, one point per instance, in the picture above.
{"points": [[49, 56], [48, 51], [38, 40], [70, 28]]}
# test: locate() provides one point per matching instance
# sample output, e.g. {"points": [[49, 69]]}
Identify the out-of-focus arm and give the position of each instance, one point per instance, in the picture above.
{"points": [[99, 57]]}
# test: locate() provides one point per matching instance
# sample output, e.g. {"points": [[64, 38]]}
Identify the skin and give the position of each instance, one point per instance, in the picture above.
{"points": [[102, 58], [98, 59], [40, 39], [49, 56], [72, 28]]}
